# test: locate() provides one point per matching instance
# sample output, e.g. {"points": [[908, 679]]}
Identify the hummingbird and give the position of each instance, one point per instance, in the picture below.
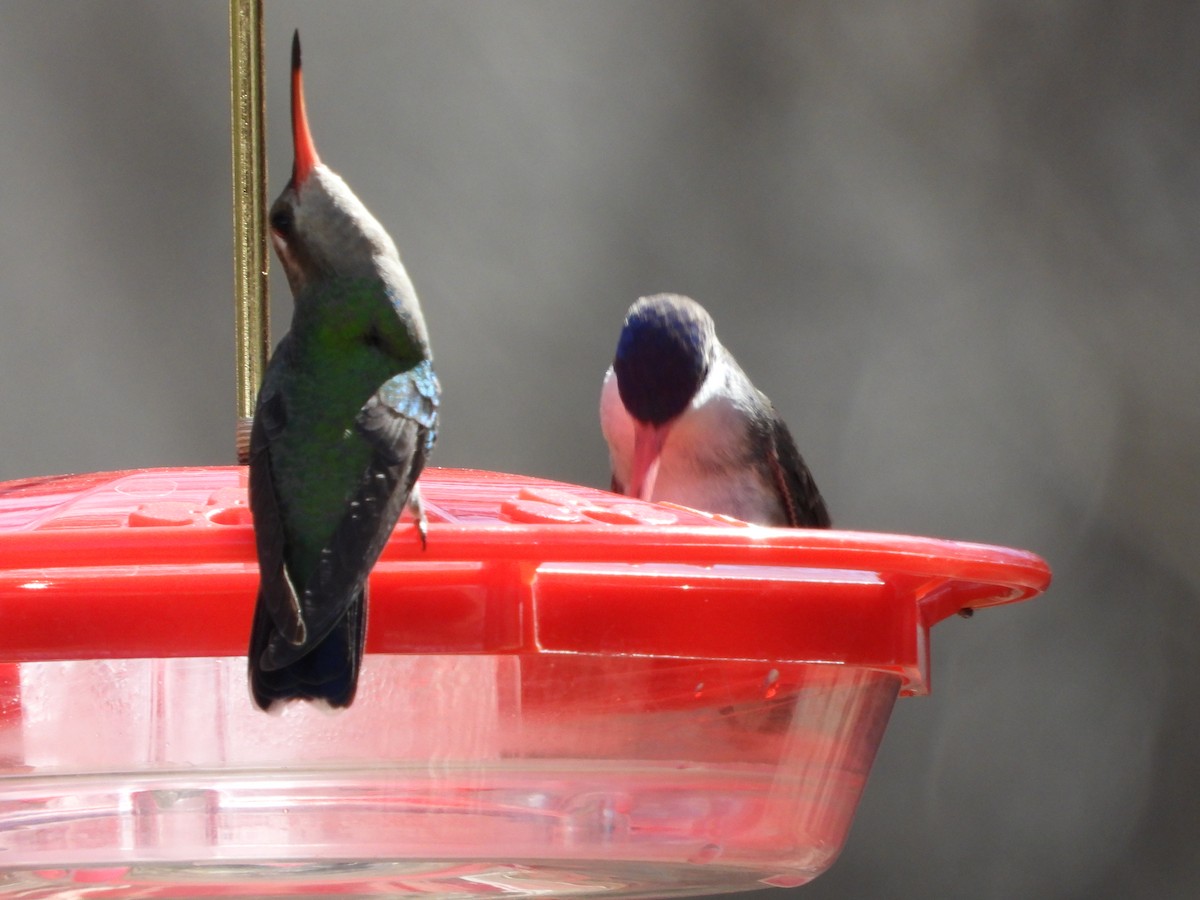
{"points": [[344, 422], [684, 424]]}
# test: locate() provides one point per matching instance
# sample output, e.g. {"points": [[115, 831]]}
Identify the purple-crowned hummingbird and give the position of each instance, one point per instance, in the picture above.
{"points": [[684, 424], [345, 420]]}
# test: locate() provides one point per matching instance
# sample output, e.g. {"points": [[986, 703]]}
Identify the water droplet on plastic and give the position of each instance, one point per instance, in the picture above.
{"points": [[770, 684]]}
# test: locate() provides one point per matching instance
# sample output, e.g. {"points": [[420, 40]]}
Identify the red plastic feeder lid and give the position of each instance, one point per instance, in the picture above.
{"points": [[160, 563]]}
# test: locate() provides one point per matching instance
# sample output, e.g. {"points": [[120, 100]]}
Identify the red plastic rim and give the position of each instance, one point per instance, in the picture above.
{"points": [[160, 562]]}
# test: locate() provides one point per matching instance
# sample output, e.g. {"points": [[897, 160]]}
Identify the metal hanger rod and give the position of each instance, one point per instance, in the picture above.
{"points": [[251, 297]]}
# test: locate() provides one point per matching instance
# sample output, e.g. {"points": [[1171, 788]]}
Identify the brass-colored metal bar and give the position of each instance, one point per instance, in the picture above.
{"points": [[248, 111]]}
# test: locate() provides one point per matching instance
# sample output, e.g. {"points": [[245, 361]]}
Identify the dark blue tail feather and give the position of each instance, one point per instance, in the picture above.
{"points": [[328, 672]]}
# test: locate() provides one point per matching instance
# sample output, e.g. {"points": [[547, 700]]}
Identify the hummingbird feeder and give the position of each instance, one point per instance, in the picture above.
{"points": [[568, 692]]}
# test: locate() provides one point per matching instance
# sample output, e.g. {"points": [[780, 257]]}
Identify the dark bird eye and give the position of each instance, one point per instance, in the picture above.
{"points": [[281, 221]]}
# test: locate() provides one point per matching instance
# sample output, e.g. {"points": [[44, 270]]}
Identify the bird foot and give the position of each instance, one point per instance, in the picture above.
{"points": [[418, 510]]}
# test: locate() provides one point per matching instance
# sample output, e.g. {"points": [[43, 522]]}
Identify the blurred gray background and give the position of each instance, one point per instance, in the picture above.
{"points": [[956, 242]]}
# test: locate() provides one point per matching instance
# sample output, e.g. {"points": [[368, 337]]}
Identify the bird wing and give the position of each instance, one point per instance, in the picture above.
{"points": [[399, 423], [801, 499], [278, 597]]}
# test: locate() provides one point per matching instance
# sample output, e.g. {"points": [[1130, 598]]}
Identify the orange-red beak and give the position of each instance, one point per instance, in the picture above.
{"points": [[304, 158], [648, 442]]}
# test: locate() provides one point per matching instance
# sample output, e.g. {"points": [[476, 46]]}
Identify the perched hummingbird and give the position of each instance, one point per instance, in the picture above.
{"points": [[684, 424], [346, 418]]}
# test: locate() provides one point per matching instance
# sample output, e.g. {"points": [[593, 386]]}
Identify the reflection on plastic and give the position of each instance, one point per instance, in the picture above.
{"points": [[614, 768]]}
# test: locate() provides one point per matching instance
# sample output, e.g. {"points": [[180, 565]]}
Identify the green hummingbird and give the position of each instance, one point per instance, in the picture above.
{"points": [[345, 420]]}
